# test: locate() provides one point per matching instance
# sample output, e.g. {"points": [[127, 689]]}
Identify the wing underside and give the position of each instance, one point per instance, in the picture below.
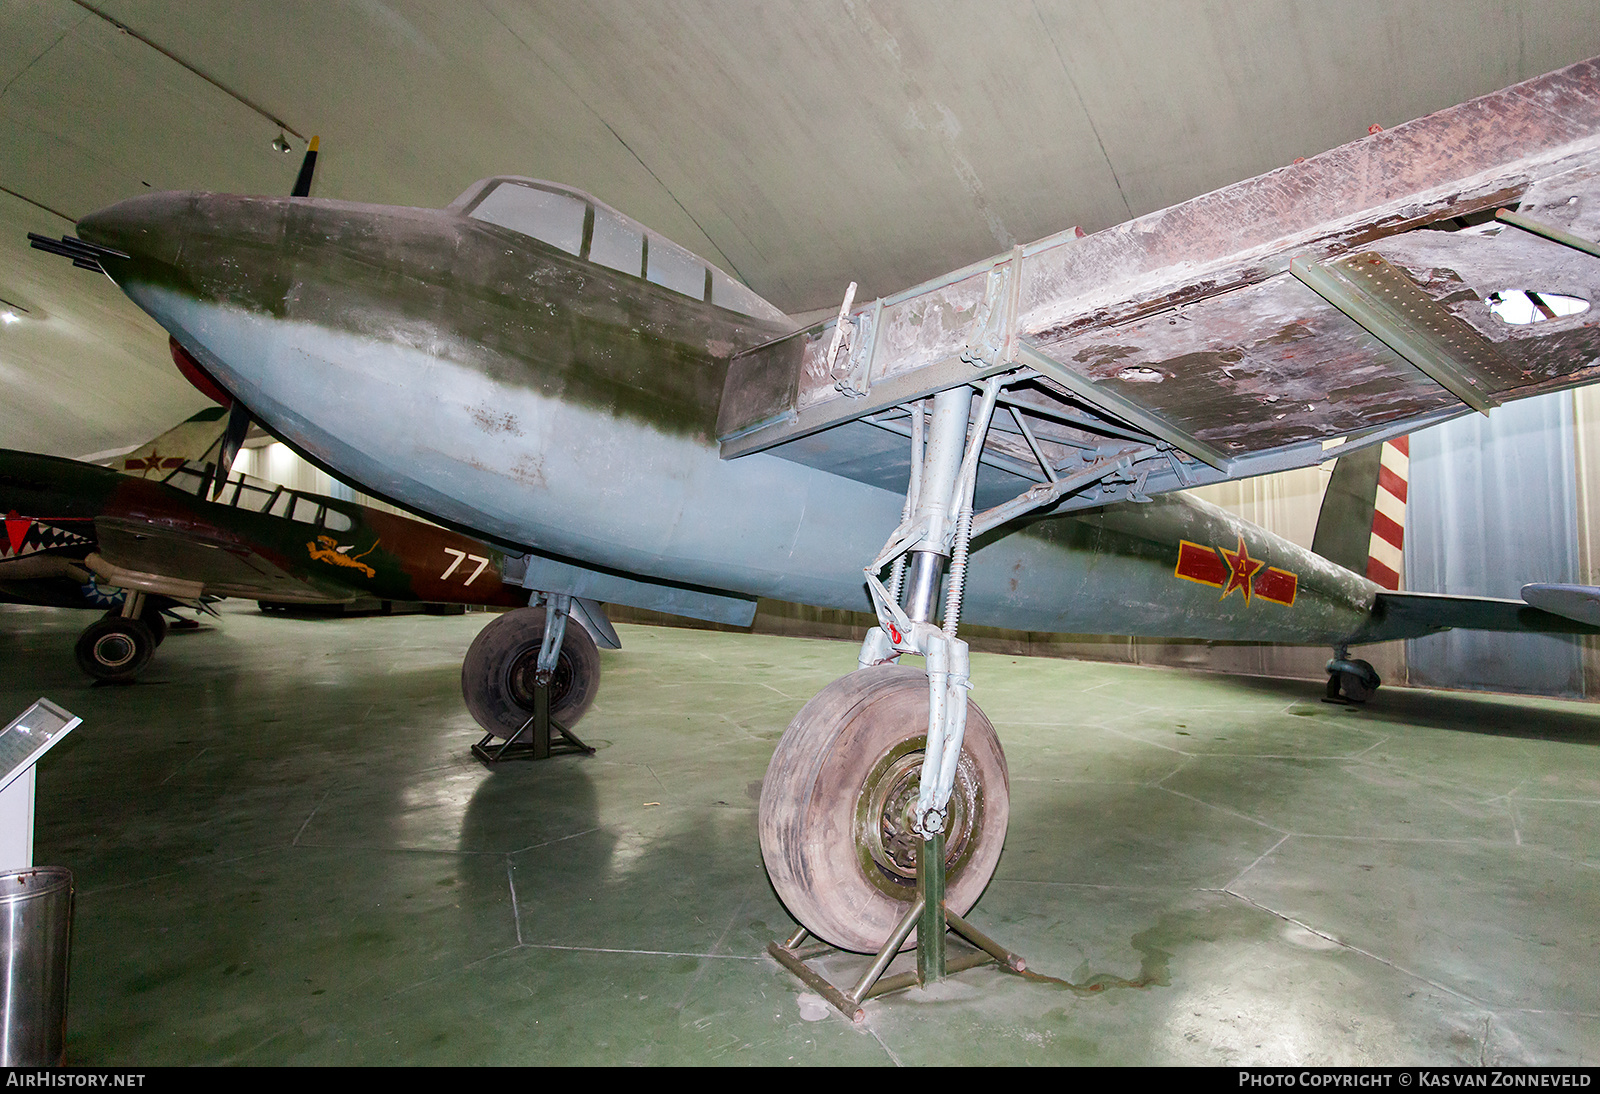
{"points": [[1271, 324]]}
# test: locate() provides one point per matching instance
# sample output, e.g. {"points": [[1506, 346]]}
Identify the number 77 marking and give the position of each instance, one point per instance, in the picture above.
{"points": [[462, 556]]}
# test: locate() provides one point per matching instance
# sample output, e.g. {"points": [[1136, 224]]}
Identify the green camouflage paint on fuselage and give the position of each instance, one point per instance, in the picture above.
{"points": [[518, 310]]}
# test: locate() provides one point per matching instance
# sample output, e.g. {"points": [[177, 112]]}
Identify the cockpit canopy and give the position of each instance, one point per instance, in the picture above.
{"points": [[579, 224]]}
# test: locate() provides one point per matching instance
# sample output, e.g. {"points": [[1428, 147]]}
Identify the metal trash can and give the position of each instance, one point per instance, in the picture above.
{"points": [[35, 939]]}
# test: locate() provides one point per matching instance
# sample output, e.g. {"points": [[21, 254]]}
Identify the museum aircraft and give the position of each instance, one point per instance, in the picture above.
{"points": [[162, 527], [533, 365]]}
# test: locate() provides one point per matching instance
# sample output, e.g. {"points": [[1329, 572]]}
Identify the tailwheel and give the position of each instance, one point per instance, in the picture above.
{"points": [[1352, 681], [837, 801], [497, 675]]}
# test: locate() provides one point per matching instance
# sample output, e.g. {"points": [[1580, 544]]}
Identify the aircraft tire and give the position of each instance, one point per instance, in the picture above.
{"points": [[114, 648], [835, 799], [1355, 688], [497, 673]]}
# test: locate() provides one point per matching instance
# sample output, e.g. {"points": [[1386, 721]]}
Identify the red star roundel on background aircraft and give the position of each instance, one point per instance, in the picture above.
{"points": [[1229, 570]]}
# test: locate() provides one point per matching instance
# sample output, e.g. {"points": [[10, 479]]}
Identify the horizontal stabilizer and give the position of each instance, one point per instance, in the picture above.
{"points": [[1413, 615], [1580, 602]]}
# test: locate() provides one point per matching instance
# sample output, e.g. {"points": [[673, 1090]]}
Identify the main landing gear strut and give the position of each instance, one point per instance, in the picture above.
{"points": [[884, 808]]}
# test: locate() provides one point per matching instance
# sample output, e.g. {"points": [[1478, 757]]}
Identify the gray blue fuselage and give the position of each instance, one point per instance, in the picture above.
{"points": [[499, 383]]}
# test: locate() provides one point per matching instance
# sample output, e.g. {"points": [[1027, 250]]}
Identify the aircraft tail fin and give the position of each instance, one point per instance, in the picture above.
{"points": [[189, 440], [1363, 519]]}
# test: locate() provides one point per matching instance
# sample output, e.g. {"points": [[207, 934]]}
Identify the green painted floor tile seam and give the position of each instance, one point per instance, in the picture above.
{"points": [[1221, 808], [561, 947], [474, 963], [516, 909], [1513, 796], [1473, 841], [1095, 885], [1062, 781], [1259, 860], [1434, 782], [197, 861], [1208, 755], [1550, 852], [309, 817], [887, 1051], [380, 848], [1342, 944], [184, 766], [1141, 740], [738, 913], [558, 839]]}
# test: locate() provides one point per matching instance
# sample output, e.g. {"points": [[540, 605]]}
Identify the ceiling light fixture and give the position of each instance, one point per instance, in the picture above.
{"points": [[9, 317], [281, 144]]}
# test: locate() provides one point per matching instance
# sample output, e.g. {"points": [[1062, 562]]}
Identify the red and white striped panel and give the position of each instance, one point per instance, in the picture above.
{"points": [[1389, 514]]}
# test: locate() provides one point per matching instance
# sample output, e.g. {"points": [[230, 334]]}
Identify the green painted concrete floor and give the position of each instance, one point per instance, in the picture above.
{"points": [[285, 854]]}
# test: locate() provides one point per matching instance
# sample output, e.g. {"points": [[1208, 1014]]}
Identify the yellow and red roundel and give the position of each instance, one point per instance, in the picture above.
{"points": [[1229, 570]]}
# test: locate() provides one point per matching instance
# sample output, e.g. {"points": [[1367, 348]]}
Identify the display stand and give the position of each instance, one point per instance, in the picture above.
{"points": [[26, 738], [929, 917], [539, 738]]}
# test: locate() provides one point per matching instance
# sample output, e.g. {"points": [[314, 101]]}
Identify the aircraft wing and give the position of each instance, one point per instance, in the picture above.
{"points": [[1326, 305], [145, 555]]}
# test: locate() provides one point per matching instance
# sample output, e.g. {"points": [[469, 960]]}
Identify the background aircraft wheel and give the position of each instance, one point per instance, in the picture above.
{"points": [[497, 673], [835, 804], [114, 648], [151, 618]]}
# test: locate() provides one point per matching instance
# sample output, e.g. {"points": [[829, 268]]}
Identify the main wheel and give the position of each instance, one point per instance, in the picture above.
{"points": [[152, 618], [497, 675], [837, 800], [114, 648]]}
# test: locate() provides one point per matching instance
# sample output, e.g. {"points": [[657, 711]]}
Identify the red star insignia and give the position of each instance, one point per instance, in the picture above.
{"points": [[1243, 568]]}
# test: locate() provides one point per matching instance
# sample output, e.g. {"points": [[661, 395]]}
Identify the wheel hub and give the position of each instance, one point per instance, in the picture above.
{"points": [[115, 650], [522, 678], [886, 808]]}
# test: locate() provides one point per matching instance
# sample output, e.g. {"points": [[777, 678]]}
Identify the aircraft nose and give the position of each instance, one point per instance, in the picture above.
{"points": [[147, 228]]}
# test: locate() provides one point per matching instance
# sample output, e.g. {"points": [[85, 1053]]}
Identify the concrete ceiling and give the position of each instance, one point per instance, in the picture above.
{"points": [[799, 145]]}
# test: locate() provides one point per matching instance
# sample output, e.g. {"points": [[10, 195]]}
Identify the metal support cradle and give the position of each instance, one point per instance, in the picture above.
{"points": [[928, 916], [540, 737]]}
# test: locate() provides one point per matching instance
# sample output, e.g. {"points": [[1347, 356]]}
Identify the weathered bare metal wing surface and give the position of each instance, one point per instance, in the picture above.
{"points": [[1266, 325]]}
